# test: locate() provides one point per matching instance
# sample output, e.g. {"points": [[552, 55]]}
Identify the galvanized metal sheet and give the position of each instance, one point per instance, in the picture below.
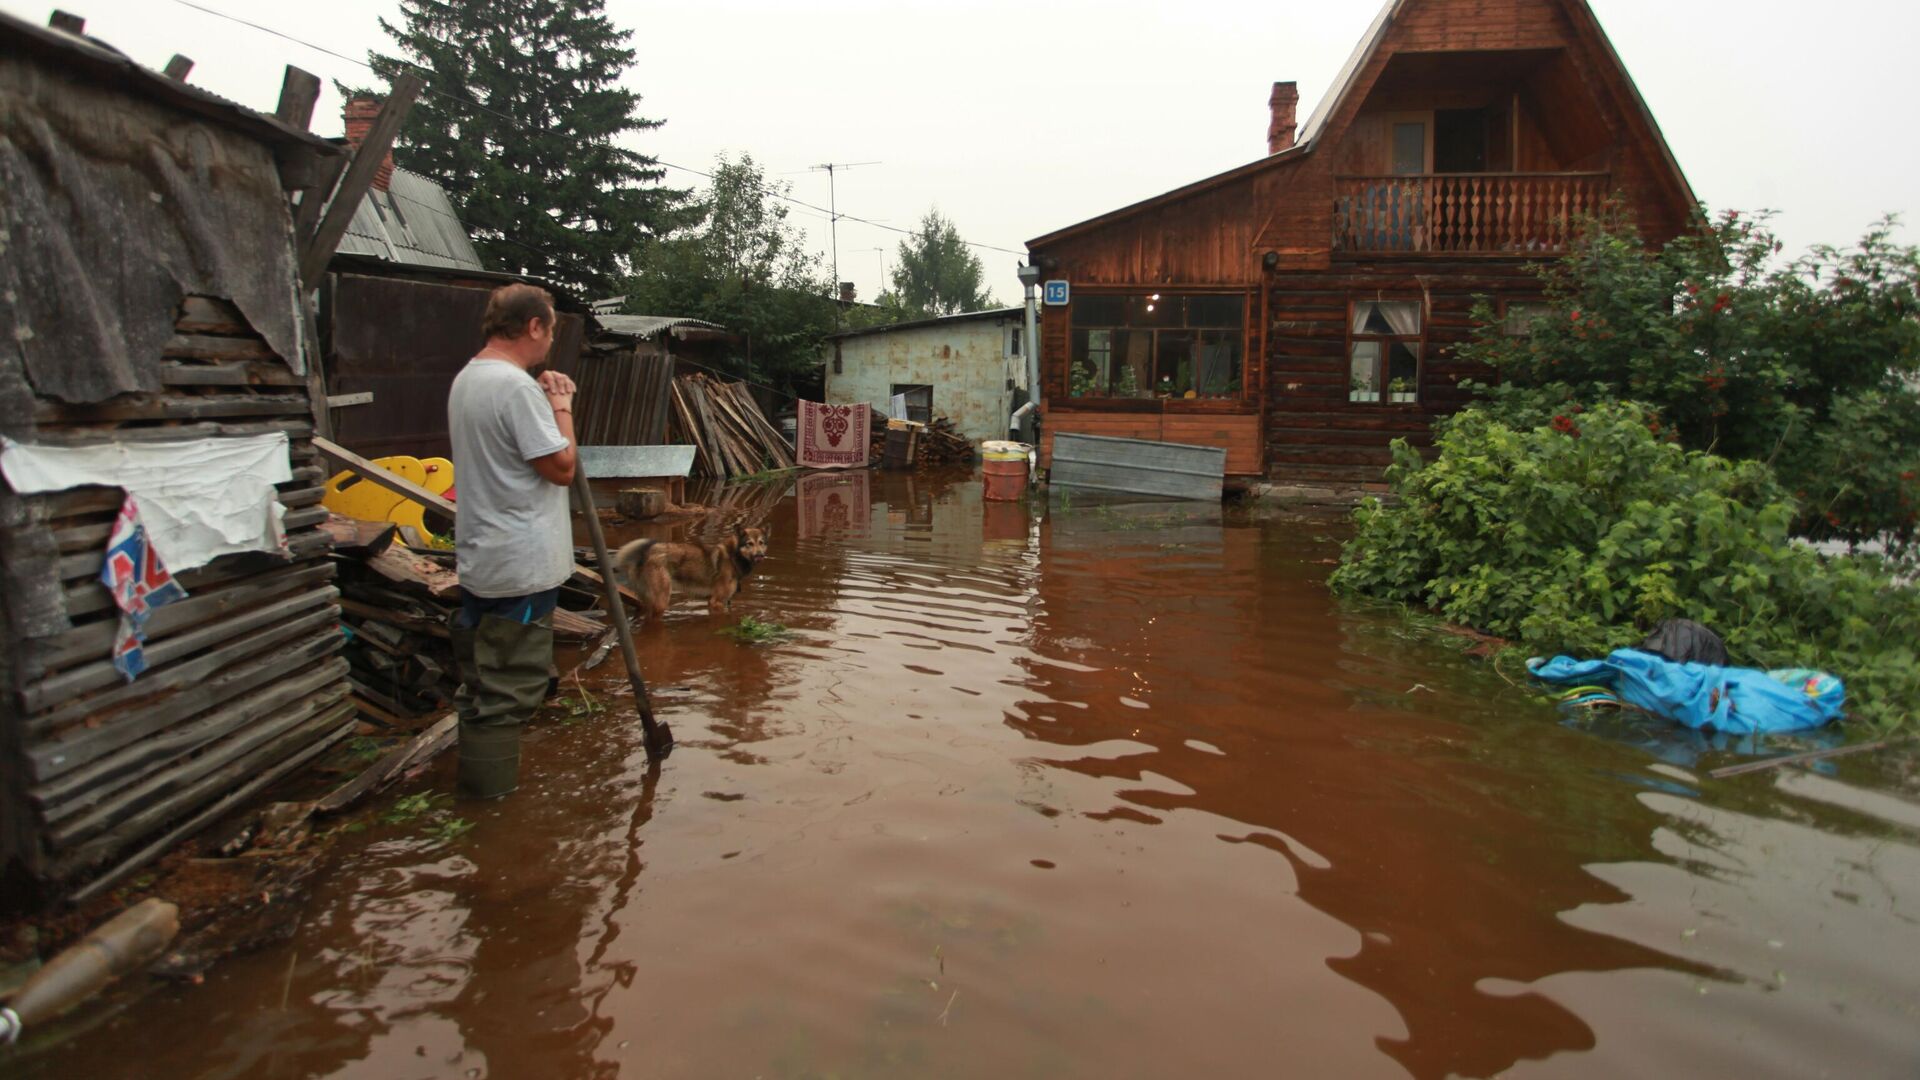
{"points": [[610, 462], [1138, 466]]}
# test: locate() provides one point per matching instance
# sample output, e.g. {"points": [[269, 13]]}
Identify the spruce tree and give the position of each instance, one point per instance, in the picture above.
{"points": [[521, 122]]}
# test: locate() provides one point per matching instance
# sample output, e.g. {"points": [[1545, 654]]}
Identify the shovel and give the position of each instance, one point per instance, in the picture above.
{"points": [[658, 737]]}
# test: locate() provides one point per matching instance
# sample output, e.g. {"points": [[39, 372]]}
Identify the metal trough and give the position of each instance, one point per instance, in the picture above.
{"points": [[1138, 467], [618, 462]]}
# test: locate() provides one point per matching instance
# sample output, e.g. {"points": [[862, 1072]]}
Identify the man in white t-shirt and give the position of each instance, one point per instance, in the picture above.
{"points": [[513, 460]]}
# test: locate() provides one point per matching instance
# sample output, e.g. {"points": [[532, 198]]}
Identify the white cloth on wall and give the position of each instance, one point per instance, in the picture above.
{"points": [[199, 499]]}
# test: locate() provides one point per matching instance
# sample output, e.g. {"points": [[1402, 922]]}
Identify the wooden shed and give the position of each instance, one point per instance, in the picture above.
{"points": [[394, 335], [1301, 311], [153, 298]]}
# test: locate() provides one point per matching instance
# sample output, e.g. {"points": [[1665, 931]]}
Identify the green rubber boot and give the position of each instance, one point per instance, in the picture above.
{"points": [[502, 686]]}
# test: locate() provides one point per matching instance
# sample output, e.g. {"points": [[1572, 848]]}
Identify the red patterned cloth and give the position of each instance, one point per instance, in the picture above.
{"points": [[834, 436]]}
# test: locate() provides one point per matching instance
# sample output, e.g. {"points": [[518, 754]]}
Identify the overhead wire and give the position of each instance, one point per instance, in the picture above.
{"points": [[764, 189]]}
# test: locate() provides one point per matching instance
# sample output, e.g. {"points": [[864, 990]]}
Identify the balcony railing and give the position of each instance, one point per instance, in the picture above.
{"points": [[1463, 213]]}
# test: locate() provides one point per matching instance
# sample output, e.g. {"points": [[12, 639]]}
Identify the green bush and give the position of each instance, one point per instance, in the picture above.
{"points": [[1809, 365], [1577, 536]]}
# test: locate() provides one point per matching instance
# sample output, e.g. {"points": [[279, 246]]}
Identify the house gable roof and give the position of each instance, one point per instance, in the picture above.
{"points": [[1343, 90]]}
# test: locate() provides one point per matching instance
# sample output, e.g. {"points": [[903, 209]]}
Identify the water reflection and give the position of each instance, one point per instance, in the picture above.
{"points": [[1088, 790]]}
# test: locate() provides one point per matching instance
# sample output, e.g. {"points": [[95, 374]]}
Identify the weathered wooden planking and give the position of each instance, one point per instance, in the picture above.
{"points": [[55, 689], [199, 748], [95, 640], [210, 315], [230, 373], [86, 596], [107, 740], [435, 738], [1138, 466], [170, 407], [87, 564], [326, 731]]}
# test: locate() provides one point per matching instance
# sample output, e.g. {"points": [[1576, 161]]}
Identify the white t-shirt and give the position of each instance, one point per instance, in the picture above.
{"points": [[514, 536]]}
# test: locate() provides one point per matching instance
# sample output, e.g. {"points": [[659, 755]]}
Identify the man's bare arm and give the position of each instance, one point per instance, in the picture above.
{"points": [[558, 467]]}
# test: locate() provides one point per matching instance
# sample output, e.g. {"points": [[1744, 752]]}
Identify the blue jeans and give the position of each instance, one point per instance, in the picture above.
{"points": [[520, 609]]}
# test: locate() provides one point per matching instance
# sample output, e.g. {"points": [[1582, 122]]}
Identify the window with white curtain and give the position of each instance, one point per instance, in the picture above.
{"points": [[1383, 352]]}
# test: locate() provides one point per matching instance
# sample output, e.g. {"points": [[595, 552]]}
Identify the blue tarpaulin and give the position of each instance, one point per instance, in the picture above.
{"points": [[1704, 696]]}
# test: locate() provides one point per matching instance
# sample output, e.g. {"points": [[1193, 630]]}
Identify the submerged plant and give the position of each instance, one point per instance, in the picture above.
{"points": [[752, 631]]}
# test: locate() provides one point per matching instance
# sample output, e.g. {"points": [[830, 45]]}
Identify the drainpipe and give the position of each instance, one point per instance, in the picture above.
{"points": [[1030, 278]]}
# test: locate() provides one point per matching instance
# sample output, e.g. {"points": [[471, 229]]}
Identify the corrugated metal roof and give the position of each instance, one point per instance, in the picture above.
{"points": [[649, 325], [413, 222]]}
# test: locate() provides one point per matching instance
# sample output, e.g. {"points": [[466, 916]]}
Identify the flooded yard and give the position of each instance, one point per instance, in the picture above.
{"points": [[1078, 790]]}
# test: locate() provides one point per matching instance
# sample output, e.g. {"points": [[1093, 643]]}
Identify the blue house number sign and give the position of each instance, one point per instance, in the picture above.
{"points": [[1056, 294]]}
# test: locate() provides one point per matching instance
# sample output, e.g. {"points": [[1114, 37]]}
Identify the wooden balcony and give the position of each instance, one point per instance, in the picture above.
{"points": [[1512, 214]]}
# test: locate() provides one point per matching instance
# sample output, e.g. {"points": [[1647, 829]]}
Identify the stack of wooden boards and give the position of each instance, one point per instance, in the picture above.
{"points": [[938, 443], [724, 425], [396, 603]]}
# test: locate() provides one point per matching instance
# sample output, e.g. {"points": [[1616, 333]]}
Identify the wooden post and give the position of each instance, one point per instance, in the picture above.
{"points": [[359, 177], [299, 90]]}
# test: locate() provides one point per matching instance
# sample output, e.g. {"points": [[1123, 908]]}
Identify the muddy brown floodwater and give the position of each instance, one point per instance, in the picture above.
{"points": [[1102, 791]]}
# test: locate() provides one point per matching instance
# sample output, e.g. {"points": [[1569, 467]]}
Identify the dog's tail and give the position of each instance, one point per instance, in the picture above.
{"points": [[630, 558]]}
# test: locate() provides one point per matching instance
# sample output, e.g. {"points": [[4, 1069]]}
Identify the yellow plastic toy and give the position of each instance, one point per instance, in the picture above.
{"points": [[351, 495]]}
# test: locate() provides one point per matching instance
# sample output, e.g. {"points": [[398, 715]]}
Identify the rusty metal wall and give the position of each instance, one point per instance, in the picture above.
{"points": [[404, 341]]}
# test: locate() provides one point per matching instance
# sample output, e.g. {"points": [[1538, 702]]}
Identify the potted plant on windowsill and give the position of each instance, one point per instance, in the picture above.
{"points": [[1401, 392], [1361, 389]]}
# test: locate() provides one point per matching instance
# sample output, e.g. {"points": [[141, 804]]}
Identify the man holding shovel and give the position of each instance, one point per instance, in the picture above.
{"points": [[514, 458]]}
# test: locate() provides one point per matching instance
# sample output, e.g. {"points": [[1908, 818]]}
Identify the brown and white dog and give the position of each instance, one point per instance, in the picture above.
{"points": [[655, 569]]}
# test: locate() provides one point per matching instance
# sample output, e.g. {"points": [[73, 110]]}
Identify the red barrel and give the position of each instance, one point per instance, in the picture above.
{"points": [[1005, 470]]}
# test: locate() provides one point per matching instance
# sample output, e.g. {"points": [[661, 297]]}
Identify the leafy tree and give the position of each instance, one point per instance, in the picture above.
{"points": [[1810, 365], [936, 273], [737, 261], [520, 122]]}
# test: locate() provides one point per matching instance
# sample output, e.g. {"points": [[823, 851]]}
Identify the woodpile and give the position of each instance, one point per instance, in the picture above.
{"points": [[930, 445], [724, 425], [396, 603]]}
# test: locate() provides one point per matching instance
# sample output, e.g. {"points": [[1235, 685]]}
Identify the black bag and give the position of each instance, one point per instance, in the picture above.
{"points": [[1685, 641]]}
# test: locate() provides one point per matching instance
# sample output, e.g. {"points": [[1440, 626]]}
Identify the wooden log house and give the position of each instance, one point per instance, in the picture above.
{"points": [[152, 294], [1301, 311]]}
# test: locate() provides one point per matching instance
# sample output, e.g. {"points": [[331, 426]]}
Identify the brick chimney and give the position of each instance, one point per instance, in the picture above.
{"points": [[1284, 103], [846, 292], [359, 114]]}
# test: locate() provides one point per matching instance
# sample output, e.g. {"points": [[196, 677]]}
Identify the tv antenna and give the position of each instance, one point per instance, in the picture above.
{"points": [[833, 216]]}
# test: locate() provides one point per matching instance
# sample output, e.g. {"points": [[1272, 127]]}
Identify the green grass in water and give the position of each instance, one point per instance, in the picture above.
{"points": [[752, 631]]}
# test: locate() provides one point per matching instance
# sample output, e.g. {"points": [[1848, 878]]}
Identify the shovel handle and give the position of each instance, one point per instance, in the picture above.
{"points": [[658, 742]]}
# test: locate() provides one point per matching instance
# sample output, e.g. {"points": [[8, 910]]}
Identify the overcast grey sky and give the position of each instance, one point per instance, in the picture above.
{"points": [[1016, 119]]}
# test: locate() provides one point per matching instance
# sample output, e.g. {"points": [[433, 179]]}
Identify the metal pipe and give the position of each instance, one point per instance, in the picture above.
{"points": [[1032, 344]]}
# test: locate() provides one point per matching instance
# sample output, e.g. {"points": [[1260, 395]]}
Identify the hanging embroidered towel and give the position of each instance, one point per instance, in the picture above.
{"points": [[139, 582]]}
